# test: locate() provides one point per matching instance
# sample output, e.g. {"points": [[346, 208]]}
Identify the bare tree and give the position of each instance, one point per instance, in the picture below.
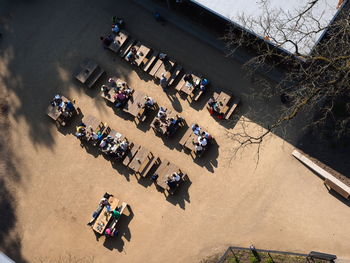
{"points": [[316, 77]]}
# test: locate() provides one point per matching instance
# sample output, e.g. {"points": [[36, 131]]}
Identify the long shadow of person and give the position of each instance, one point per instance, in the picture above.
{"points": [[123, 231]]}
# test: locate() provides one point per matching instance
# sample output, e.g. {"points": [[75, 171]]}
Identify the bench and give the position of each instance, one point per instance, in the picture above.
{"points": [[198, 95], [337, 188], [174, 75], [155, 68], [126, 48], [150, 61], [131, 153], [185, 137], [145, 172], [94, 77], [233, 107]]}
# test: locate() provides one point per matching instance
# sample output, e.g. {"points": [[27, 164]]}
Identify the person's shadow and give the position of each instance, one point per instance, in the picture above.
{"points": [[123, 231]]}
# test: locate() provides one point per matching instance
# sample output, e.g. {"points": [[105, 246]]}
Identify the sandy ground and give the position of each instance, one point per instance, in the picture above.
{"points": [[53, 184]]}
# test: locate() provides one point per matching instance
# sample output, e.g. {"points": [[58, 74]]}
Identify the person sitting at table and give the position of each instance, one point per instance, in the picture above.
{"points": [[202, 141], [158, 125], [118, 21], [122, 148], [56, 101], [163, 82], [188, 78], [206, 135], [69, 106], [198, 148], [105, 89], [103, 202], [120, 99], [163, 57], [173, 180], [115, 28], [131, 56], [162, 114], [203, 83], [111, 232], [213, 106], [112, 82], [116, 214], [173, 125], [196, 129], [106, 41], [80, 131], [149, 102]]}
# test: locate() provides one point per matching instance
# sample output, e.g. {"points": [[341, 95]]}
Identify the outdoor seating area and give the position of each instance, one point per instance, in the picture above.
{"points": [[222, 105], [89, 73], [107, 214], [164, 69], [61, 110], [166, 122]]}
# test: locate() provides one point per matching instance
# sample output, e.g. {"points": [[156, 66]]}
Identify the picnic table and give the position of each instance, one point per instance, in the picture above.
{"points": [[165, 170], [135, 105], [110, 95], [223, 100], [162, 67], [188, 87], [225, 104], [189, 138], [141, 54], [118, 41], [164, 123], [53, 112], [92, 122], [89, 73], [142, 161], [105, 216]]}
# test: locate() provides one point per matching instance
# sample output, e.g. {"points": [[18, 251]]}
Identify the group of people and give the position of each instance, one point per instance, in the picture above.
{"points": [[173, 180], [111, 230], [114, 146], [199, 84], [171, 124], [87, 133], [214, 107], [122, 92], [203, 139], [66, 108]]}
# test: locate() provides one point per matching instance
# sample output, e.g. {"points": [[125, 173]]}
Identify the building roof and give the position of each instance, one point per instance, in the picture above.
{"points": [[324, 11]]}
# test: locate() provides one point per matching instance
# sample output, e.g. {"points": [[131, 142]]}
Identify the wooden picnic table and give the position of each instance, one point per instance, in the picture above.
{"points": [[118, 41], [164, 123], [104, 217], [188, 139], [116, 135], [141, 159], [223, 100], [110, 95], [163, 67], [141, 54], [135, 105], [92, 122], [166, 169], [53, 112], [188, 87], [89, 73]]}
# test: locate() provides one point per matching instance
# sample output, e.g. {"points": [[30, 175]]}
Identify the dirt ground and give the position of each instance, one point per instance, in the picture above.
{"points": [[52, 185]]}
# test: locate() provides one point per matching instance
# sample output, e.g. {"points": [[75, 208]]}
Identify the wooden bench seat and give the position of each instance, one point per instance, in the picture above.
{"points": [[155, 67], [186, 136], [124, 50], [131, 153], [174, 75], [198, 95], [337, 188], [94, 77], [232, 109], [150, 61], [146, 170]]}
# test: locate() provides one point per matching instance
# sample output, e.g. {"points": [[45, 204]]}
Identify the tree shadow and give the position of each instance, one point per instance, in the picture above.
{"points": [[123, 232]]}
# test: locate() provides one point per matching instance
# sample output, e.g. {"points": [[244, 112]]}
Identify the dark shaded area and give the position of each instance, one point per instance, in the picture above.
{"points": [[124, 232]]}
